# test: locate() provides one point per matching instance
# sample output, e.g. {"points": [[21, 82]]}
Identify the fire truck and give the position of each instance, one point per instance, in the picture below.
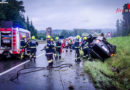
{"points": [[10, 41]]}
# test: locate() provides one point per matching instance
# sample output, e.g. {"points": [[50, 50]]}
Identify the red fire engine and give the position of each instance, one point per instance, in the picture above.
{"points": [[10, 41]]}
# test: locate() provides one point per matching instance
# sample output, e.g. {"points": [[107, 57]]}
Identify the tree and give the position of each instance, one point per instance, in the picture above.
{"points": [[17, 5], [118, 26], [13, 11], [126, 21], [123, 27], [64, 33]]}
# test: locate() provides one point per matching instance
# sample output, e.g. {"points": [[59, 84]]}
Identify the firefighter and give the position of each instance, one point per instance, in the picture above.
{"points": [[102, 35], [52, 40], [23, 41], [85, 47], [32, 45], [23, 46], [27, 46], [58, 47], [53, 46], [77, 48], [90, 39], [70, 45], [49, 52]]}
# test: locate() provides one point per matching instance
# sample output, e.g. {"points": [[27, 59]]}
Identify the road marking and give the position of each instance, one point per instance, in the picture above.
{"points": [[40, 55], [13, 68], [18, 66]]}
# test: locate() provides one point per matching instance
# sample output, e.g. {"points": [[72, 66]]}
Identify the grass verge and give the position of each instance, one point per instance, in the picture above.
{"points": [[114, 73]]}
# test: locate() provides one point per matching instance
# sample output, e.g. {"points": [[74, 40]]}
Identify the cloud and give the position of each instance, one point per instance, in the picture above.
{"points": [[69, 14]]}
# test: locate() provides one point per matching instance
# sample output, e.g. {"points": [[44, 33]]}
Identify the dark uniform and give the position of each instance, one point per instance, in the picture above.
{"points": [[58, 48], [22, 43], [53, 46], [77, 50], [28, 47], [90, 40], [23, 48], [33, 44], [49, 53], [85, 48]]}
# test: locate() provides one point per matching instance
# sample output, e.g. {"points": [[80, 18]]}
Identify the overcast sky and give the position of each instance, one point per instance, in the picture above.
{"points": [[70, 14]]}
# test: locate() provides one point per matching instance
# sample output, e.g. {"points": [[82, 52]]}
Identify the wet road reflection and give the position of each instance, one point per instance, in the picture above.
{"points": [[9, 63], [55, 79]]}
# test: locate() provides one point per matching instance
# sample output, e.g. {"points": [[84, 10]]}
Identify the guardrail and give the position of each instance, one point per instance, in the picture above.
{"points": [[41, 41]]}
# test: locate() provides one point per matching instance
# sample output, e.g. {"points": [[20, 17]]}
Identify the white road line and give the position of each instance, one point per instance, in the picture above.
{"points": [[40, 55], [13, 68], [18, 65]]}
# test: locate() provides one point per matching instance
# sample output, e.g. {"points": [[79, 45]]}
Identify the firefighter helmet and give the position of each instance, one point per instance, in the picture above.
{"points": [[23, 36], [48, 37], [78, 37], [56, 38], [85, 38], [33, 37], [52, 39]]}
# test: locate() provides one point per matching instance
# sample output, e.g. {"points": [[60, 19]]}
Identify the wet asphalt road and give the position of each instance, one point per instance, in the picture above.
{"points": [[55, 79], [6, 64]]}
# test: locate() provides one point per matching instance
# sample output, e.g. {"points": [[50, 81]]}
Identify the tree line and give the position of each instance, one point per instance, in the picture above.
{"points": [[14, 11], [123, 26], [67, 33]]}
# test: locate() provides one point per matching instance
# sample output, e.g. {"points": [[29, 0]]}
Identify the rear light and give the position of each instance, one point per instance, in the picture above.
{"points": [[112, 54]]}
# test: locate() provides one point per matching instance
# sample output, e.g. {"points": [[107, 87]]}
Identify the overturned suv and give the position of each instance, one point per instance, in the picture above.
{"points": [[101, 49]]}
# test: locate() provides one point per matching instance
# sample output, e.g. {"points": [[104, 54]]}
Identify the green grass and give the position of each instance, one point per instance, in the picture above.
{"points": [[115, 71]]}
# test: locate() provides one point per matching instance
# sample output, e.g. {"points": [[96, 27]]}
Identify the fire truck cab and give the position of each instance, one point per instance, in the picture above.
{"points": [[10, 41]]}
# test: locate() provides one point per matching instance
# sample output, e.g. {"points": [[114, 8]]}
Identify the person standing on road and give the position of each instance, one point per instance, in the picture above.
{"points": [[23, 41], [32, 45], [85, 47], [49, 51], [77, 48], [27, 46], [70, 45], [58, 48], [103, 37], [23, 46], [53, 46]]}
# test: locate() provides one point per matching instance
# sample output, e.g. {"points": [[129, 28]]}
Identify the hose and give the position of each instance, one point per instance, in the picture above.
{"points": [[38, 69]]}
